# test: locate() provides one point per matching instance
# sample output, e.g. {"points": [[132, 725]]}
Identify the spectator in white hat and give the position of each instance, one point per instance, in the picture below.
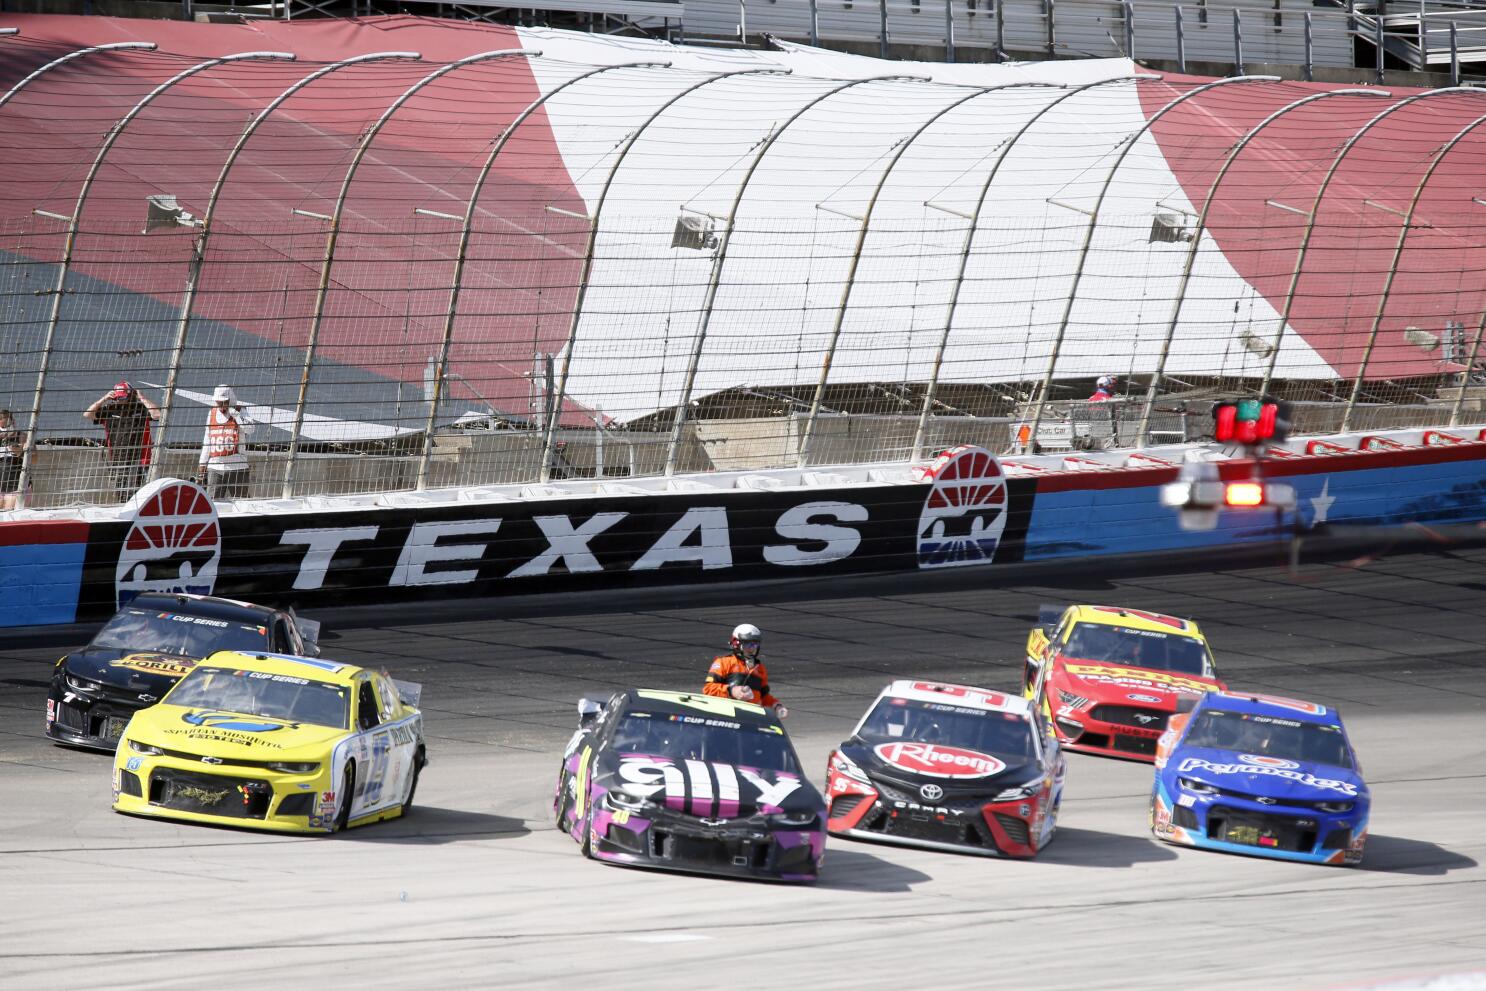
{"points": [[223, 468], [1103, 389]]}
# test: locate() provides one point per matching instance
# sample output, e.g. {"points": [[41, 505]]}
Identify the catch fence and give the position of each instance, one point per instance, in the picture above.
{"points": [[441, 276]]}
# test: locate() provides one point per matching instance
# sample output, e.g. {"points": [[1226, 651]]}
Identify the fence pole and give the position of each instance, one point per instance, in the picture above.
{"points": [[1052, 40], [856, 257], [815, 23], [1454, 54], [1000, 13], [1310, 49], [1196, 243], [1423, 39], [743, 23], [882, 28], [724, 240], [1181, 41], [1129, 29], [1378, 44], [1310, 226], [1089, 228], [1403, 234], [1237, 43], [949, 30], [1465, 377]]}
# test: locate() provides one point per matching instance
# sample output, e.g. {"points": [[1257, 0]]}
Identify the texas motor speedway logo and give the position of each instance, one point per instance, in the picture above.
{"points": [[174, 543]]}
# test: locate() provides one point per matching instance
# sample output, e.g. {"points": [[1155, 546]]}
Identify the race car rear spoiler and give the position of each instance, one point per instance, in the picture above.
{"points": [[408, 691]]}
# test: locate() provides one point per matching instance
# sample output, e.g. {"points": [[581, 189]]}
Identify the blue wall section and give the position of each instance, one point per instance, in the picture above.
{"points": [[39, 583]]}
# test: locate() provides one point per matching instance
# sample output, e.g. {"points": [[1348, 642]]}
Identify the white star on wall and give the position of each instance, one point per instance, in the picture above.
{"points": [[1321, 504]]}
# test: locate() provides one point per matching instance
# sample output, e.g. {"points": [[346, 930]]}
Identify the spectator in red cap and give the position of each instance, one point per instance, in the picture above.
{"points": [[125, 413]]}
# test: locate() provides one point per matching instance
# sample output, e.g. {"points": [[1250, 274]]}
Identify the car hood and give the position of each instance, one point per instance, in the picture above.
{"points": [[707, 788], [1117, 683], [955, 769], [1267, 777], [135, 670], [230, 735]]}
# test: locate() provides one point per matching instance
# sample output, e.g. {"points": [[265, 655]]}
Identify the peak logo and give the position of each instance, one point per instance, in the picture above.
{"points": [[939, 762], [964, 514], [174, 543]]}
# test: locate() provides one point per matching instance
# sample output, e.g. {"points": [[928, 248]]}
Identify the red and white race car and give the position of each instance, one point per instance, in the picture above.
{"points": [[1109, 678], [948, 767]]}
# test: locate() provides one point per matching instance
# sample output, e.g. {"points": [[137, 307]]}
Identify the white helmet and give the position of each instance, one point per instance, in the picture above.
{"points": [[746, 640], [1106, 382], [224, 394]]}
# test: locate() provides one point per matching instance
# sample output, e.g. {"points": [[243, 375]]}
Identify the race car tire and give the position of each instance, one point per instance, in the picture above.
{"points": [[407, 804], [348, 792], [560, 803]]}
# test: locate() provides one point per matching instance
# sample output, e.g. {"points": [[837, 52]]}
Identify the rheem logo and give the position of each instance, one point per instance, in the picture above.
{"points": [[965, 513], [173, 545]]}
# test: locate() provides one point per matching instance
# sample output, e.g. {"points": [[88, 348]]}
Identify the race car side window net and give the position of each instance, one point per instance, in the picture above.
{"points": [[366, 707]]}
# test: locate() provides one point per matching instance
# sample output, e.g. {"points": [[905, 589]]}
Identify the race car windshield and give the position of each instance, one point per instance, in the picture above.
{"points": [[176, 633], [1005, 734], [1269, 736], [722, 741], [256, 693], [1138, 648]]}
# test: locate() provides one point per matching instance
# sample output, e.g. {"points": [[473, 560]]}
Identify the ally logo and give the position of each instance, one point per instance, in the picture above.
{"points": [[174, 543], [964, 514]]}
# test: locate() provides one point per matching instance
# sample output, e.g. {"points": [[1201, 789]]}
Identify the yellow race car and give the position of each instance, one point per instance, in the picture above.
{"points": [[273, 741]]}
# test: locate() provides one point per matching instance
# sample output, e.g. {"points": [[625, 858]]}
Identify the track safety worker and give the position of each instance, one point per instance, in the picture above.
{"points": [[739, 674], [223, 468]]}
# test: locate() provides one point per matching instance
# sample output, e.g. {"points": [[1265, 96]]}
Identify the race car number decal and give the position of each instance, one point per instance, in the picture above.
{"points": [[727, 708], [937, 761]]}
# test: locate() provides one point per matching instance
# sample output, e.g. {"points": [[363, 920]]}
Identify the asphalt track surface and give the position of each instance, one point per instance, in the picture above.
{"points": [[476, 888]]}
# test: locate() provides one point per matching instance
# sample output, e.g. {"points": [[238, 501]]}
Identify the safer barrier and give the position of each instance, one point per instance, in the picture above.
{"points": [[964, 510]]}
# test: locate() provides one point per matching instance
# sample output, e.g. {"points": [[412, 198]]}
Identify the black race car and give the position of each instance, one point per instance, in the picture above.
{"points": [[689, 782], [949, 768], [147, 647]]}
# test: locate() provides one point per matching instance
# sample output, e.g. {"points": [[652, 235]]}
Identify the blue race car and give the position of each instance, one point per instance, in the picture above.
{"points": [[1261, 775]]}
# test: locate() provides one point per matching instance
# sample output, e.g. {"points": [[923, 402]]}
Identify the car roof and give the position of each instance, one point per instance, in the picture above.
{"points": [[209, 606], [961, 695], [314, 668], [1135, 619], [1254, 704], [697, 704]]}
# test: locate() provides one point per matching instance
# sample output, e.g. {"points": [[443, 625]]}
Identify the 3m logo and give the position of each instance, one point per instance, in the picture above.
{"points": [[173, 545], [965, 512]]}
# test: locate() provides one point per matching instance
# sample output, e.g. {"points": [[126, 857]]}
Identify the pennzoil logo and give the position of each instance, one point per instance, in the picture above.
{"points": [[174, 543], [964, 514], [174, 667]]}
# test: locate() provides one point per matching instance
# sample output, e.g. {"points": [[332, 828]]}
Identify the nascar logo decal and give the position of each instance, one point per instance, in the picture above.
{"points": [[1262, 761], [173, 545], [965, 512], [937, 761]]}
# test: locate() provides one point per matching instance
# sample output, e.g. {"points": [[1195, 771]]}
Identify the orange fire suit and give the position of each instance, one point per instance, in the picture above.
{"points": [[730, 669]]}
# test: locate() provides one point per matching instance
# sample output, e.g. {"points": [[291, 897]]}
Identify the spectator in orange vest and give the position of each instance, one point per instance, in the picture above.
{"points": [[223, 468]]}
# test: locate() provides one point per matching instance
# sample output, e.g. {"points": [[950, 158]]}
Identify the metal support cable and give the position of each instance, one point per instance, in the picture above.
{"points": [[322, 291], [198, 244], [72, 224], [1201, 226], [441, 360], [974, 218], [1047, 379], [856, 256], [1403, 234]]}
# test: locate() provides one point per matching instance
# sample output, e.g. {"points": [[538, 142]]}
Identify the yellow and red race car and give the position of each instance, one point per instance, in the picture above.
{"points": [[1109, 678], [274, 741]]}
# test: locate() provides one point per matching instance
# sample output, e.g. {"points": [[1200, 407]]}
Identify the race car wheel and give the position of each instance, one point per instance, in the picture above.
{"points": [[407, 804], [348, 791], [560, 803]]}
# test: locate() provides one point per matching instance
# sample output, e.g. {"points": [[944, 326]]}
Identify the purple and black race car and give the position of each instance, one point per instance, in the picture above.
{"points": [[689, 782]]}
